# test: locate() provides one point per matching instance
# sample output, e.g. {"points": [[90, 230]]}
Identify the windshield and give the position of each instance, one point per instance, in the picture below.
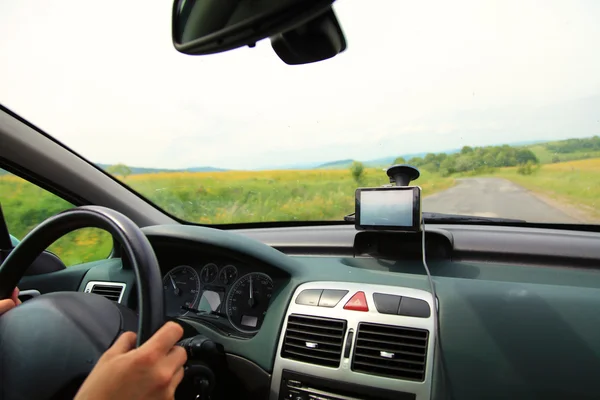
{"points": [[496, 102]]}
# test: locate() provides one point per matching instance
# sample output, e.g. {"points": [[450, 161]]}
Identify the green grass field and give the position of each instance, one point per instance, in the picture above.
{"points": [[206, 198], [545, 156], [260, 196], [26, 205], [575, 182]]}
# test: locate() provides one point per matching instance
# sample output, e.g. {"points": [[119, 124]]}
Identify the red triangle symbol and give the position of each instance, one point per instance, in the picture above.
{"points": [[358, 302]]}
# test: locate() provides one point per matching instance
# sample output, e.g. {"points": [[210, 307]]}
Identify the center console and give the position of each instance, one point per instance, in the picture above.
{"points": [[355, 341]]}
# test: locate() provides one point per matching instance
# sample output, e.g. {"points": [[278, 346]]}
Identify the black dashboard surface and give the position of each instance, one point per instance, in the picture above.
{"points": [[535, 246]]}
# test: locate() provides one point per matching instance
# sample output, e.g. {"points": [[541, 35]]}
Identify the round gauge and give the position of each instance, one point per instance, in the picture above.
{"points": [[209, 272], [248, 301], [228, 275], [181, 286]]}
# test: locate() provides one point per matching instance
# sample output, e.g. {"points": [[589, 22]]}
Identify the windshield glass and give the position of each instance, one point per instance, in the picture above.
{"points": [[496, 102]]}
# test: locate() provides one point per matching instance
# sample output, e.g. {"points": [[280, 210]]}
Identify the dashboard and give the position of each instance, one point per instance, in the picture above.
{"points": [[517, 309]]}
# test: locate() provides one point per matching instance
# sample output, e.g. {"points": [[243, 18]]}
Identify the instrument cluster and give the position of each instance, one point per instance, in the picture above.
{"points": [[223, 293]]}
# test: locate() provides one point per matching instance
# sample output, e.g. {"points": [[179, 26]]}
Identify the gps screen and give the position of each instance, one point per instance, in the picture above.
{"points": [[387, 208]]}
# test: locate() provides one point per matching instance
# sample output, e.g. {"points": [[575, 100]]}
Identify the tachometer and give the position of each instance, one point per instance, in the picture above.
{"points": [[181, 286], [248, 301]]}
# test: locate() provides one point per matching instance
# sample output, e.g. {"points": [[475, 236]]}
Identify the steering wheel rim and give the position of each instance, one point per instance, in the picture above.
{"points": [[135, 245], [56, 339]]}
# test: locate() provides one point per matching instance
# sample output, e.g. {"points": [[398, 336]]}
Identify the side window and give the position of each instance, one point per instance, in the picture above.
{"points": [[25, 205]]}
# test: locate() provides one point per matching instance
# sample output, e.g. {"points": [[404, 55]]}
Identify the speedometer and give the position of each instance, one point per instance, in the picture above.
{"points": [[181, 287], [248, 301]]}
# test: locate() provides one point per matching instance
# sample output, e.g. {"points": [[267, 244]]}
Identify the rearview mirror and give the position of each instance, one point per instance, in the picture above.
{"points": [[213, 26]]}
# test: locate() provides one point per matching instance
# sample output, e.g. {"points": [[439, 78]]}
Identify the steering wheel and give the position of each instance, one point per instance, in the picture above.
{"points": [[48, 345]]}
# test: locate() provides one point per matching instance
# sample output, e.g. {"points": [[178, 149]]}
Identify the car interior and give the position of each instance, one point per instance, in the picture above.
{"points": [[471, 309]]}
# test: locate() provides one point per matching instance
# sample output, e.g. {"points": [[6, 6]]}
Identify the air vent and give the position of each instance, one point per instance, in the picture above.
{"points": [[314, 340], [110, 290], [391, 351]]}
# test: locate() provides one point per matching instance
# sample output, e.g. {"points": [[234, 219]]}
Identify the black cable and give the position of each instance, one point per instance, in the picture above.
{"points": [[436, 318]]}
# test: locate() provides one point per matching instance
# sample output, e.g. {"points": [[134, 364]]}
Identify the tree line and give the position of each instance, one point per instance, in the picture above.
{"points": [[473, 159], [575, 145]]}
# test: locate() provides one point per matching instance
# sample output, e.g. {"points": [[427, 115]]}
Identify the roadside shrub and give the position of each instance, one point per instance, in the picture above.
{"points": [[357, 169], [527, 168]]}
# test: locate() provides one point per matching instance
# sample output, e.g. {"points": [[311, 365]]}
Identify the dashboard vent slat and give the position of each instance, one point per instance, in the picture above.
{"points": [[112, 292], [391, 351], [314, 340]]}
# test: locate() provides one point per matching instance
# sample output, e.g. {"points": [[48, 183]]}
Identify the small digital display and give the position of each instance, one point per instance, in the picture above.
{"points": [[248, 320], [211, 301], [389, 208]]}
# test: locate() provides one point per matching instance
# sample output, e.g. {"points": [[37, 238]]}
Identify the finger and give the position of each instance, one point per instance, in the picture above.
{"points": [[123, 344], [6, 305], [164, 339], [15, 296], [177, 378], [176, 358]]}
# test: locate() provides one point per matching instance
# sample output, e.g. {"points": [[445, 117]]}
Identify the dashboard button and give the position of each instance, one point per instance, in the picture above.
{"points": [[358, 302], [386, 303], [414, 308], [330, 297], [309, 297]]}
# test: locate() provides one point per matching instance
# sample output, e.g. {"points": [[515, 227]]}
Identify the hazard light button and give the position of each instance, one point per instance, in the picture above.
{"points": [[358, 302]]}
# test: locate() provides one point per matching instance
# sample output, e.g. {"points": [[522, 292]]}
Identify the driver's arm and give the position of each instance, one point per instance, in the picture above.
{"points": [[8, 304]]}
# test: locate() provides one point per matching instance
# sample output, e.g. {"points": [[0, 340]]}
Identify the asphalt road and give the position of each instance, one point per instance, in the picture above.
{"points": [[493, 197]]}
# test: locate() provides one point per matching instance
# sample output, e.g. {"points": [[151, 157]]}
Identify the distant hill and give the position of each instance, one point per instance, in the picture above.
{"points": [[299, 166], [139, 170], [376, 163], [527, 143], [380, 162], [336, 164], [142, 170], [205, 169]]}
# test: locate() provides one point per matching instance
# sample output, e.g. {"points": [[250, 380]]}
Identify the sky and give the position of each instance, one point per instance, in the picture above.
{"points": [[417, 76]]}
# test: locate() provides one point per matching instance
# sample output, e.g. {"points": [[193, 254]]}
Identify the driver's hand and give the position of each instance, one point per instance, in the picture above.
{"points": [[151, 371], [8, 304]]}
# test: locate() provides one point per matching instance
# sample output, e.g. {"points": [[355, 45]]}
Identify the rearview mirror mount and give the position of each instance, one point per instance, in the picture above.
{"points": [[318, 39]]}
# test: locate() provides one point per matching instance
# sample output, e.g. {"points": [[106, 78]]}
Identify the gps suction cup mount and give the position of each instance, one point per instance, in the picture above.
{"points": [[402, 174]]}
